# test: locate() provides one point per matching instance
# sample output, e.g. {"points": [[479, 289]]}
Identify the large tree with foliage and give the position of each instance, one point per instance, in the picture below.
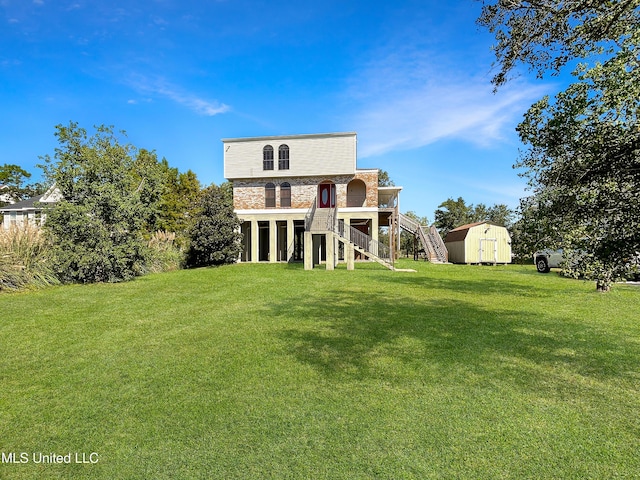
{"points": [[111, 193], [215, 237], [583, 160]]}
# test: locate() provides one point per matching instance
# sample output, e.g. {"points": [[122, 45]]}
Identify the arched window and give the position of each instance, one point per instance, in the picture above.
{"points": [[267, 158], [270, 195], [285, 195], [283, 157]]}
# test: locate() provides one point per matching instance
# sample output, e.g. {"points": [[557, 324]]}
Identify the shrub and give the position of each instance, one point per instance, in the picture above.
{"points": [[215, 237]]}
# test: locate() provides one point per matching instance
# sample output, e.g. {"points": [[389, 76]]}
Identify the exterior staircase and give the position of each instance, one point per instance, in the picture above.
{"points": [[325, 220], [363, 243], [432, 243]]}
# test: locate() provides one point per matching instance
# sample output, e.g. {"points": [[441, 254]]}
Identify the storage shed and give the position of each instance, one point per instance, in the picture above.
{"points": [[481, 242]]}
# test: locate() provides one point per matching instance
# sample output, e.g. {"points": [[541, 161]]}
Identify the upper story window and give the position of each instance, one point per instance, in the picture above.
{"points": [[270, 195], [267, 158], [283, 157], [285, 195]]}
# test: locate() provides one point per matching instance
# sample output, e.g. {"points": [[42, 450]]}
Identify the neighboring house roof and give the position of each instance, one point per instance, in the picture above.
{"points": [[28, 204], [52, 195], [460, 233]]}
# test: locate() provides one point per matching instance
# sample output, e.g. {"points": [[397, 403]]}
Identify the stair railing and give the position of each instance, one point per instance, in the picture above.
{"points": [[431, 240], [409, 224], [362, 240], [308, 218], [427, 243], [437, 242]]}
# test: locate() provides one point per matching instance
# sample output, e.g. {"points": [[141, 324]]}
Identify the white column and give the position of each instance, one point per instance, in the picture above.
{"points": [[255, 237], [308, 251], [331, 249], [273, 241], [290, 235]]}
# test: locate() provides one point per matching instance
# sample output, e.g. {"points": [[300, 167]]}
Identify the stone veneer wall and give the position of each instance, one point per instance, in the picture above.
{"points": [[370, 178], [250, 194]]}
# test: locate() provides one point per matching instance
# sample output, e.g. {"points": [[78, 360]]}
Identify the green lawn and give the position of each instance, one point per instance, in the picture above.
{"points": [[268, 371]]}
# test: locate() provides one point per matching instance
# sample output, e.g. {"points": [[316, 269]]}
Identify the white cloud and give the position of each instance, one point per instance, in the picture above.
{"points": [[411, 99], [164, 89]]}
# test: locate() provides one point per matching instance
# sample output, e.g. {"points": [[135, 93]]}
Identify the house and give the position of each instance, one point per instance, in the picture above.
{"points": [[297, 195], [480, 242], [303, 198], [30, 210]]}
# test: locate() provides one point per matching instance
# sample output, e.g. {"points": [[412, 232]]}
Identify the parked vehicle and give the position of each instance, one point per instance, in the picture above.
{"points": [[547, 259]]}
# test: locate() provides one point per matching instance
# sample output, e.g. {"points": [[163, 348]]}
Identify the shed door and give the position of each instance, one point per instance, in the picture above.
{"points": [[488, 250]]}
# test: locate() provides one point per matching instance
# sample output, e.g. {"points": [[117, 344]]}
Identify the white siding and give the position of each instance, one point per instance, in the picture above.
{"points": [[309, 155]]}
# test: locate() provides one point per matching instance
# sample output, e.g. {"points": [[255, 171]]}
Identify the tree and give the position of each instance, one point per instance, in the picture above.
{"points": [[454, 213], [451, 214], [384, 180], [500, 214], [13, 186], [110, 194], [215, 236], [584, 145], [548, 34], [179, 200], [584, 170]]}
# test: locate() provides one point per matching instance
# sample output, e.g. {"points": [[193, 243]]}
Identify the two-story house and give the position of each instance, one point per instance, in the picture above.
{"points": [[302, 198]]}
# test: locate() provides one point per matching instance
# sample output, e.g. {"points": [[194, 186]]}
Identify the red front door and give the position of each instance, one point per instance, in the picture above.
{"points": [[327, 195]]}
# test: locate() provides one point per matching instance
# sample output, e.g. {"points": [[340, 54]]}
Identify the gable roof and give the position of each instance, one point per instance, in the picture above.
{"points": [[52, 195], [28, 204], [460, 233]]}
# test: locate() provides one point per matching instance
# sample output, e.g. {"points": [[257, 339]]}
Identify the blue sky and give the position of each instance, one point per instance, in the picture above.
{"points": [[412, 78]]}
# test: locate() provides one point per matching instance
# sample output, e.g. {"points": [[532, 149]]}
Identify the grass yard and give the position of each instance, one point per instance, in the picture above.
{"points": [[268, 371]]}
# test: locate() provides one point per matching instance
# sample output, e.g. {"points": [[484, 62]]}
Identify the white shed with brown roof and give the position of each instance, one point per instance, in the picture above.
{"points": [[480, 242]]}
